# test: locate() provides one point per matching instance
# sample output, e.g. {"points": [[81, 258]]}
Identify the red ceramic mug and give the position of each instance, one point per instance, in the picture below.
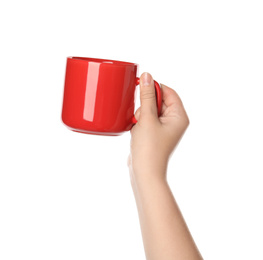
{"points": [[99, 95]]}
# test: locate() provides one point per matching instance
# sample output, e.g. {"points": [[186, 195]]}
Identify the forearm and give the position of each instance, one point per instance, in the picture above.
{"points": [[164, 231]]}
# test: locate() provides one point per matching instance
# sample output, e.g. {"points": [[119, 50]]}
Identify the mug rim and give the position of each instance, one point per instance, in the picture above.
{"points": [[102, 61]]}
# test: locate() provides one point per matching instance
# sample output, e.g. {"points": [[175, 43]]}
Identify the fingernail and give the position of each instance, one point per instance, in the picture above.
{"points": [[146, 78]]}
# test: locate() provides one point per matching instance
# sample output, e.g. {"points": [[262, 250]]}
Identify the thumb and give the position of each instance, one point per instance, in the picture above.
{"points": [[147, 95]]}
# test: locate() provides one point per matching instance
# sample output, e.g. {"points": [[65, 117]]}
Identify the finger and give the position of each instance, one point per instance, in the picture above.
{"points": [[173, 103], [137, 114], [170, 97], [147, 95], [163, 108]]}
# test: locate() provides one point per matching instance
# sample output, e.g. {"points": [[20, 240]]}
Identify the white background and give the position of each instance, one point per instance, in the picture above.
{"points": [[65, 195]]}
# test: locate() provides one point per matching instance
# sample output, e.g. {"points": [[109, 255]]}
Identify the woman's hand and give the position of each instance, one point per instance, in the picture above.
{"points": [[154, 138]]}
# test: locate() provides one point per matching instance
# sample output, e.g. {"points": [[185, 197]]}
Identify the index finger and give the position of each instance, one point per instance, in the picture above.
{"points": [[170, 97]]}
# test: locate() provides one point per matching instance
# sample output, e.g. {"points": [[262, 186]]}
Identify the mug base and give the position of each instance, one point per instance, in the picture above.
{"points": [[94, 132]]}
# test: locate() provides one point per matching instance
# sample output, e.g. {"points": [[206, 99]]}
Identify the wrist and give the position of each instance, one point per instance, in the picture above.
{"points": [[146, 169], [147, 187], [143, 177]]}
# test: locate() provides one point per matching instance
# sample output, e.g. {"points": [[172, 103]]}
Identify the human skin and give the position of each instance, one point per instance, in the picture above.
{"points": [[153, 140]]}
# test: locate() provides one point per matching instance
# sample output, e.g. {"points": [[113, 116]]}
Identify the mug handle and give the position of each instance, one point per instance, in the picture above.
{"points": [[158, 94]]}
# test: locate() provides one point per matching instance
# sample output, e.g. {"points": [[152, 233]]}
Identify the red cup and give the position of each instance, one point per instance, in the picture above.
{"points": [[99, 96]]}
